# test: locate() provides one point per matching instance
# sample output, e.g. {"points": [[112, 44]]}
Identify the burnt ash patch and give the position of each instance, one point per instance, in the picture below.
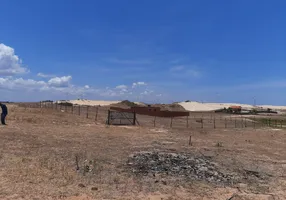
{"points": [[182, 165]]}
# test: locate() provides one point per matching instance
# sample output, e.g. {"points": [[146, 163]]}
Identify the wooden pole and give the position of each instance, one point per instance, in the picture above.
{"points": [[87, 108], [154, 121], [108, 118], [214, 124], [276, 123], [202, 123], [190, 141], [225, 123], [134, 118], [96, 113], [171, 124], [241, 122]]}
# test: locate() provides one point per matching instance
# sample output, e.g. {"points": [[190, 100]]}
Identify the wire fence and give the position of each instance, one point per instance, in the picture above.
{"points": [[194, 121]]}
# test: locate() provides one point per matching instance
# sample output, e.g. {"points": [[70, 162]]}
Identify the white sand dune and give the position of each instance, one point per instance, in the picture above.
{"points": [[92, 102], [196, 106], [86, 102]]}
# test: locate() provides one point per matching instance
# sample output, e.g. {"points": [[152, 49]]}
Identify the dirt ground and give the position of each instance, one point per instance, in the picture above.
{"points": [[48, 154]]}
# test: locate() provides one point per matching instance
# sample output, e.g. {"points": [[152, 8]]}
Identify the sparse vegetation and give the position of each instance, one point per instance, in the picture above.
{"points": [[47, 154]]}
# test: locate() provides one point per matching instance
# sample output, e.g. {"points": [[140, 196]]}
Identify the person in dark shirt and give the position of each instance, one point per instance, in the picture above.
{"points": [[4, 113]]}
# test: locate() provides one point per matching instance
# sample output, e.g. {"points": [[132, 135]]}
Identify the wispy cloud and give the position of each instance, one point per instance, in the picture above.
{"points": [[177, 68], [130, 61], [260, 85], [183, 71], [268, 84], [45, 75], [137, 84]]}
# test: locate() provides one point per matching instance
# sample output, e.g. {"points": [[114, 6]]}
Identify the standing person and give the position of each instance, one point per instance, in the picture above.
{"points": [[4, 113]]}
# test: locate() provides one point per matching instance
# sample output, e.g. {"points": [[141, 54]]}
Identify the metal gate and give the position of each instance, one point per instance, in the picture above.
{"points": [[121, 118]]}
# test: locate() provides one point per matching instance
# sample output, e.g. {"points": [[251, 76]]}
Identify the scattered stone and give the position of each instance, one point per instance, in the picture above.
{"points": [[164, 182], [81, 185], [94, 188]]}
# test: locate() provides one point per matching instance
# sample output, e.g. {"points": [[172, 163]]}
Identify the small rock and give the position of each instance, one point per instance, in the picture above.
{"points": [[94, 188], [81, 185], [203, 169]]}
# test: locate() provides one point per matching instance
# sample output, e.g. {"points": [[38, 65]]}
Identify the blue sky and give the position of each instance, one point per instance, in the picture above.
{"points": [[151, 50]]}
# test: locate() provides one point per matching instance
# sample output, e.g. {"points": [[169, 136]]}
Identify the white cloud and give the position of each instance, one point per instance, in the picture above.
{"points": [[134, 85], [121, 87], [63, 81], [60, 86], [20, 83], [10, 64], [55, 86], [45, 75], [147, 92]]}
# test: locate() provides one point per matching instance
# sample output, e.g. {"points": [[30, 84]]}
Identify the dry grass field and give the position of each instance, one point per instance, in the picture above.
{"points": [[48, 154]]}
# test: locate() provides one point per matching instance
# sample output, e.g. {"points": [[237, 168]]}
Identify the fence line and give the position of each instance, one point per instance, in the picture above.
{"points": [[197, 121]]}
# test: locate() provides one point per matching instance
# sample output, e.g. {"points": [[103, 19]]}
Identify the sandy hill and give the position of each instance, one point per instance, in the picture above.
{"points": [[85, 102], [196, 106]]}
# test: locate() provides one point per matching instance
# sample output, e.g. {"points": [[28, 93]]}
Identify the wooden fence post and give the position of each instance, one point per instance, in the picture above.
{"points": [[96, 113], [202, 123], [241, 122], [276, 123], [155, 121], [171, 124], [190, 141], [108, 117], [87, 108], [214, 124], [134, 118], [225, 123]]}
